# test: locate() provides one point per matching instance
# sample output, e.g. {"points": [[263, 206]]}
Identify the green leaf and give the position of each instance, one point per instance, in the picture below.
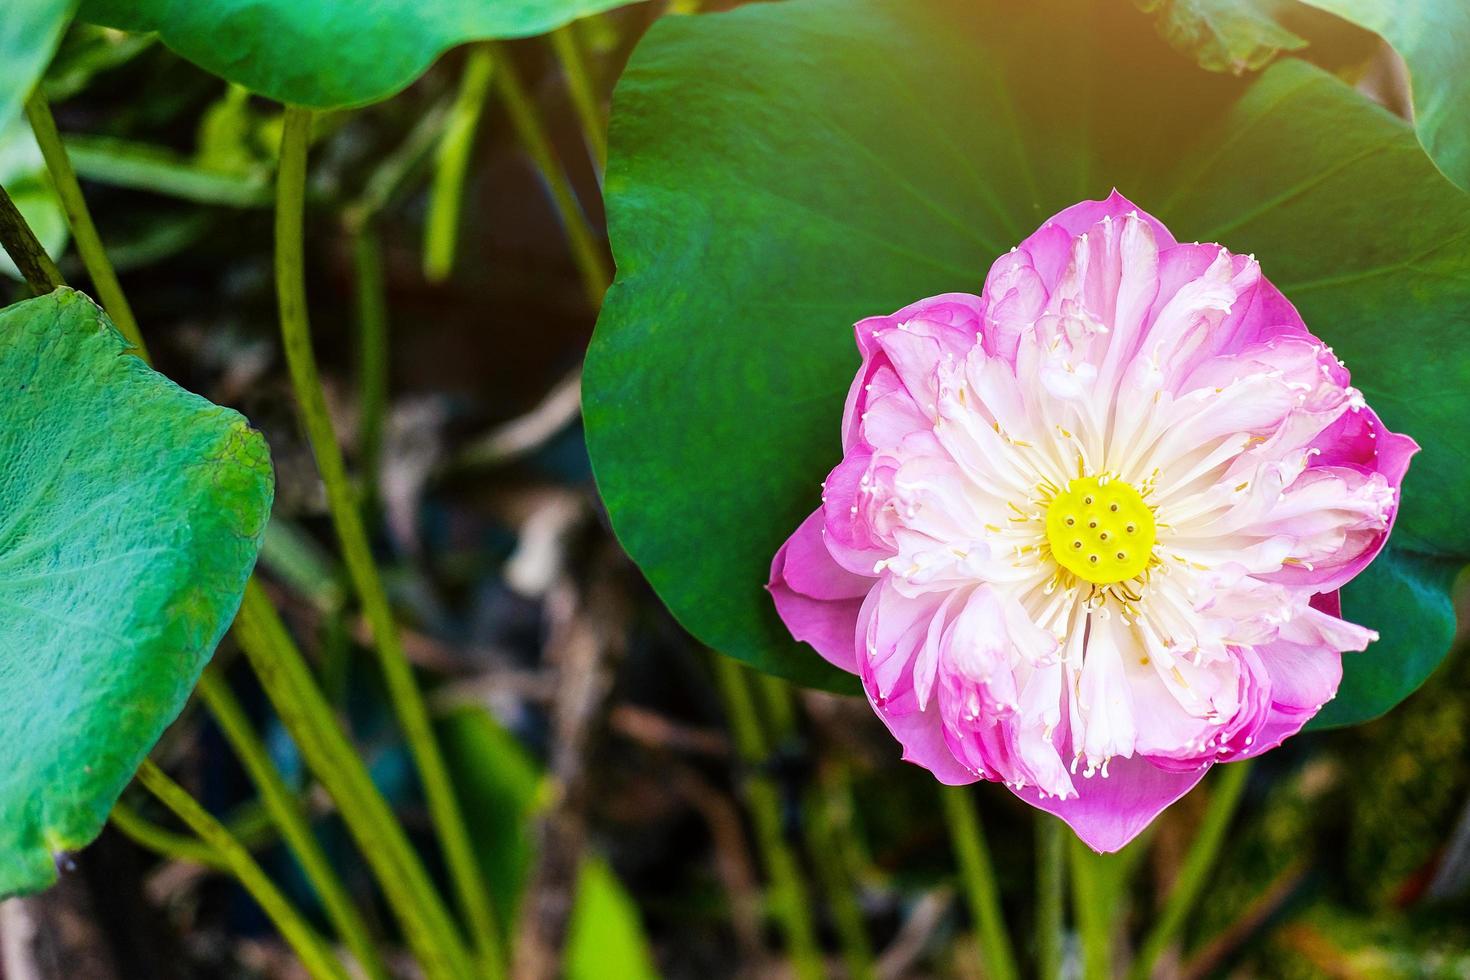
{"points": [[499, 783], [24, 176], [1227, 35], [783, 170], [330, 55], [1406, 598], [142, 166], [130, 516], [86, 53], [605, 937], [29, 33], [1432, 36]]}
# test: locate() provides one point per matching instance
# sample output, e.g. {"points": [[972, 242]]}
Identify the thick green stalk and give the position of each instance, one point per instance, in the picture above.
{"points": [[824, 828], [580, 87], [824, 833], [978, 874], [441, 230], [788, 897], [1093, 895], [391, 174], [586, 249], [1051, 875], [288, 682], [83, 230], [314, 954], [175, 846], [372, 368], [286, 812], [780, 712], [408, 701], [28, 254], [1224, 797]]}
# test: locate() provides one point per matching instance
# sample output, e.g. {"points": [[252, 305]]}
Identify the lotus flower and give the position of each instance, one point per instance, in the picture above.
{"points": [[1088, 529]]}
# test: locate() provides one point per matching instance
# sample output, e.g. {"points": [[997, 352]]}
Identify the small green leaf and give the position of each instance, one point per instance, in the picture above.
{"points": [[130, 516], [29, 33], [1226, 35], [605, 936], [783, 170], [499, 782], [330, 55], [1406, 598]]}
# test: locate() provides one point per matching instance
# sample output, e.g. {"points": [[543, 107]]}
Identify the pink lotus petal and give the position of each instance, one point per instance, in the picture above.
{"points": [[1108, 813], [817, 598]]}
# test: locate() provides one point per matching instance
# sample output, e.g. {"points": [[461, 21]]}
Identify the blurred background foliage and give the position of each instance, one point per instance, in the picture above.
{"points": [[655, 809]]}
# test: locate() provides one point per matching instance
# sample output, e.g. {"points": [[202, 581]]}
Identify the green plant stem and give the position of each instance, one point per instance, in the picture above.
{"points": [[288, 682], [408, 702], [252, 825], [441, 229], [175, 846], [826, 828], [391, 175], [776, 696], [28, 254], [314, 954], [825, 833], [1092, 905], [372, 367], [978, 874], [286, 813], [789, 897], [83, 230], [568, 46], [1225, 795], [1051, 875], [586, 249]]}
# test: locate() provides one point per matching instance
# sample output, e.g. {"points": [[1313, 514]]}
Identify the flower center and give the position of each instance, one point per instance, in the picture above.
{"points": [[1101, 530]]}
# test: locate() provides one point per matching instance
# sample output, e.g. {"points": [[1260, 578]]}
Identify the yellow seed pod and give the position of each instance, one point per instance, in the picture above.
{"points": [[1101, 530]]}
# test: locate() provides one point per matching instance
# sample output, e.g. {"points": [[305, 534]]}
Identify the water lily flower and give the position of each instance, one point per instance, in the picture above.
{"points": [[1089, 527]]}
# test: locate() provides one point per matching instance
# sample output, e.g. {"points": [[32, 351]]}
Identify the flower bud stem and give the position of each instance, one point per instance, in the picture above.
{"points": [[83, 229], [403, 690], [1051, 874], [315, 956], [1225, 794], [977, 872]]}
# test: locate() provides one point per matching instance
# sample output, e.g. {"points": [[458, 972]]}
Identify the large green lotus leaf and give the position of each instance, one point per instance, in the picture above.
{"points": [[783, 170], [130, 516], [330, 53], [29, 33], [1432, 36]]}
